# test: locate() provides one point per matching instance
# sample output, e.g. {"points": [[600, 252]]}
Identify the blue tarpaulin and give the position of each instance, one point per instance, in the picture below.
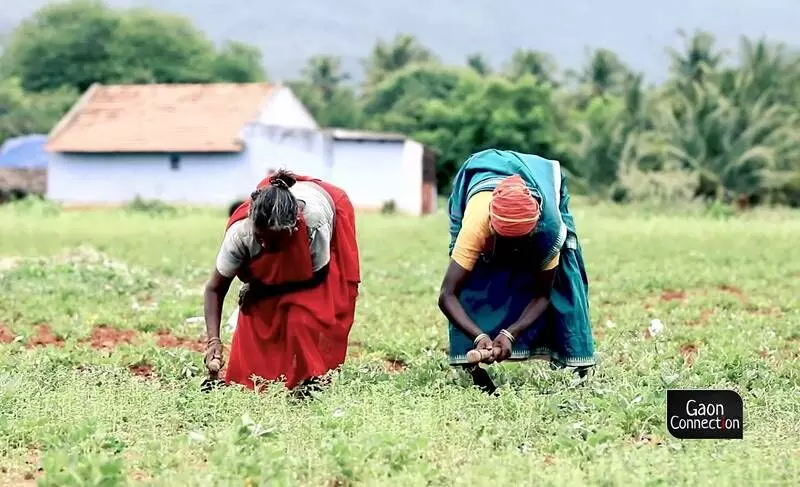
{"points": [[26, 151]]}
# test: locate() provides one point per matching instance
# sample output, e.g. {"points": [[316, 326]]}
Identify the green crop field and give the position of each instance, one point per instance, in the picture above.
{"points": [[100, 373]]}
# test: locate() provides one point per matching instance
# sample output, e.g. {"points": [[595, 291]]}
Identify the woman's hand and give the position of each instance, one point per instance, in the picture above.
{"points": [[501, 348], [485, 343], [213, 357]]}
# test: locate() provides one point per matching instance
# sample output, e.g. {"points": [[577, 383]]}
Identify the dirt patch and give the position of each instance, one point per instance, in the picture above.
{"points": [[44, 337], [705, 315], [733, 290], [689, 352], [141, 369], [5, 335], [669, 295], [355, 349], [25, 476], [549, 460], [765, 311], [167, 340], [104, 337], [394, 365]]}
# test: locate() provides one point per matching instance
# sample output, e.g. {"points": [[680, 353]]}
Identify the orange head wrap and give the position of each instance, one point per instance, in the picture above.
{"points": [[514, 212]]}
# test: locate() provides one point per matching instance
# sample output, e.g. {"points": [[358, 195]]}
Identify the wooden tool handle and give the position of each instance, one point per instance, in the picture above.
{"points": [[476, 356]]}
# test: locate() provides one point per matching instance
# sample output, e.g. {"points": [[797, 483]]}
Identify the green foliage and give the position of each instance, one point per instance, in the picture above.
{"points": [[84, 418], [238, 62], [25, 113], [719, 129], [81, 42], [388, 57]]}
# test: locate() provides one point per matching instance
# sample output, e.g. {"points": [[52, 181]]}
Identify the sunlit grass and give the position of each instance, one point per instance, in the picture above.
{"points": [[726, 288]]}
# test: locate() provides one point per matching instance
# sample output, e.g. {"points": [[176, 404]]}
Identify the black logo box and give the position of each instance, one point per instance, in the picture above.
{"points": [[700, 414]]}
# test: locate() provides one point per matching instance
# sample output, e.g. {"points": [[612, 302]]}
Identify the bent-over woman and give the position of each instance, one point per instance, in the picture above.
{"points": [[293, 245], [516, 286]]}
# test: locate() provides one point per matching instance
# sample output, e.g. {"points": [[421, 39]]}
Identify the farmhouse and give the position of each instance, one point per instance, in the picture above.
{"points": [[209, 144]]}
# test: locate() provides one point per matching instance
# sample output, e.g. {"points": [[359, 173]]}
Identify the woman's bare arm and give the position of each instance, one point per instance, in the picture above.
{"points": [[216, 289], [453, 282]]}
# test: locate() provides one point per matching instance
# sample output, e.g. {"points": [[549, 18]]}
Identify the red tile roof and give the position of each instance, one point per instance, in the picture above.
{"points": [[160, 118]]}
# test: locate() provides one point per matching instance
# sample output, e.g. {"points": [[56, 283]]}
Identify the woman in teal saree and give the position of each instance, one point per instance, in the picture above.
{"points": [[516, 285]]}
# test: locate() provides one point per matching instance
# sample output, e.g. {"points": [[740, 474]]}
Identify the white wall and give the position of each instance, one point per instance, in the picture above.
{"points": [[371, 172], [409, 199], [204, 179], [284, 109], [272, 148]]}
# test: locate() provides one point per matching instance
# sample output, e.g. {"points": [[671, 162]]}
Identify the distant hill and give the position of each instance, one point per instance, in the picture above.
{"points": [[288, 32]]}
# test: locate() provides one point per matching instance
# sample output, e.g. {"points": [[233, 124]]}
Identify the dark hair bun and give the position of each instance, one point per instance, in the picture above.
{"points": [[283, 179]]}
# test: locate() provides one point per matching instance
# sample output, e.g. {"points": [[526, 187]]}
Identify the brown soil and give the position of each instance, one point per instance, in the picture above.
{"points": [[668, 295], [142, 369], [25, 476], [5, 335], [705, 315], [766, 311], [104, 337], [689, 352], [167, 340], [394, 365], [734, 291], [44, 336], [549, 460]]}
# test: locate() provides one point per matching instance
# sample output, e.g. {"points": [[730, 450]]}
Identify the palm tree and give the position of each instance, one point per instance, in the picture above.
{"points": [[389, 57], [698, 59], [605, 73], [539, 64], [478, 62], [325, 73]]}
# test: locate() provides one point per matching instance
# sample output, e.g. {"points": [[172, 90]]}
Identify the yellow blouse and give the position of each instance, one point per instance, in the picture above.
{"points": [[475, 232]]}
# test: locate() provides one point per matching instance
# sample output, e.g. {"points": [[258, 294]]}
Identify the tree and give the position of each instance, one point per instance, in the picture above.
{"points": [[540, 65], [397, 103], [65, 44], [26, 113], [699, 58], [604, 74], [479, 64], [237, 62], [157, 47], [82, 42], [482, 113], [325, 74], [388, 57], [322, 91]]}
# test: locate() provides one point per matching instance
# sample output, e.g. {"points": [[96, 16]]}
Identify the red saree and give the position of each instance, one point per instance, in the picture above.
{"points": [[300, 335]]}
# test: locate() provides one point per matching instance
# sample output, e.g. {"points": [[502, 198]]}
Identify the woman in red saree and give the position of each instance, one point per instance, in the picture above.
{"points": [[293, 245]]}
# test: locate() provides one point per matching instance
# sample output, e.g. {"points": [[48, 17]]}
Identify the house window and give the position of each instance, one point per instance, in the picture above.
{"points": [[175, 162]]}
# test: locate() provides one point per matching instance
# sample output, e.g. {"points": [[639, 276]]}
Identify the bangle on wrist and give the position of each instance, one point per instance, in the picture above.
{"points": [[480, 337], [507, 334]]}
